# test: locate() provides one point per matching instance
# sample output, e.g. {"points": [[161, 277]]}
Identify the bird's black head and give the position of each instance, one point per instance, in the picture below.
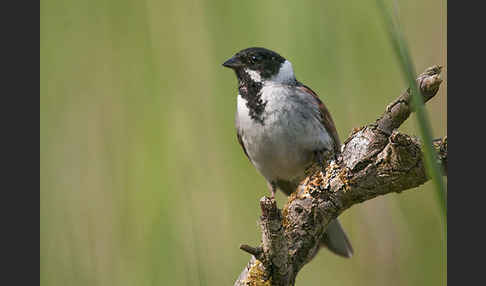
{"points": [[260, 64]]}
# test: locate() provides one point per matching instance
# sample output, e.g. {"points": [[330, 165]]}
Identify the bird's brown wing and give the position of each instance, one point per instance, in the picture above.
{"points": [[326, 118]]}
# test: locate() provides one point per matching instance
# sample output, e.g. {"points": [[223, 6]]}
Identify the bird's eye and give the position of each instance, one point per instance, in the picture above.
{"points": [[255, 59]]}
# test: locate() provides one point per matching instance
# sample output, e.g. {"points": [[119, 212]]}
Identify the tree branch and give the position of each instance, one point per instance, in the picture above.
{"points": [[399, 110], [375, 160]]}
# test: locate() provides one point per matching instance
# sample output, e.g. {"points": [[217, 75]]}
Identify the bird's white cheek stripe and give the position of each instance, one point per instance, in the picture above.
{"points": [[255, 76], [285, 74]]}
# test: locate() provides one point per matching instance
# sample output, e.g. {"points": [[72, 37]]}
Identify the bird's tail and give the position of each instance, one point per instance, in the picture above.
{"points": [[335, 240]]}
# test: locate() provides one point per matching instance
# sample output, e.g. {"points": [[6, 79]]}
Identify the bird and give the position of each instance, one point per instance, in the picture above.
{"points": [[283, 127]]}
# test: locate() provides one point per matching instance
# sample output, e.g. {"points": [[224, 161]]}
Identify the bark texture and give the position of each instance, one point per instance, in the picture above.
{"points": [[375, 160]]}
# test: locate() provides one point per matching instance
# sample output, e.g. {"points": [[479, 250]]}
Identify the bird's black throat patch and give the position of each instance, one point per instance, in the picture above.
{"points": [[267, 64], [250, 91]]}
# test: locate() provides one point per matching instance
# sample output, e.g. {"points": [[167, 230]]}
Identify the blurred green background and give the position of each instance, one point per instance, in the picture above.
{"points": [[142, 181]]}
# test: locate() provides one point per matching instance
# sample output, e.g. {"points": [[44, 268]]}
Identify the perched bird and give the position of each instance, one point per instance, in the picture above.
{"points": [[283, 127]]}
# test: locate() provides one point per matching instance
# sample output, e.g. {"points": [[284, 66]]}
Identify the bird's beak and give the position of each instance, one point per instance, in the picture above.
{"points": [[233, 63]]}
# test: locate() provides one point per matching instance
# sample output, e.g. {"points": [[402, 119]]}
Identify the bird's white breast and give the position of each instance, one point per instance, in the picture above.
{"points": [[283, 146]]}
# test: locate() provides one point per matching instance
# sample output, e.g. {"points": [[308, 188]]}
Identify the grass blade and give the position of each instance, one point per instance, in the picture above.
{"points": [[407, 67]]}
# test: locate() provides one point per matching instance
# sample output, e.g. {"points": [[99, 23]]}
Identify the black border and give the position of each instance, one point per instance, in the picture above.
{"points": [[465, 73], [20, 123]]}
